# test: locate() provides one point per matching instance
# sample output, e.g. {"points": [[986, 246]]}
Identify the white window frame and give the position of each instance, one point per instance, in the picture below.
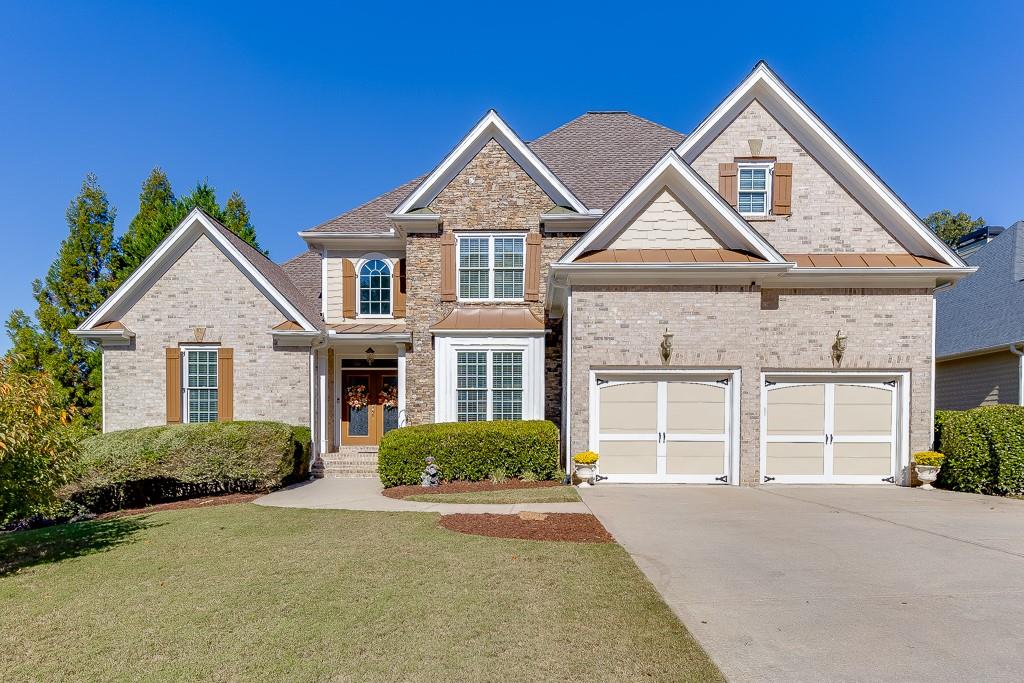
{"points": [[490, 236], [359, 288], [185, 349], [769, 168], [446, 354], [489, 388]]}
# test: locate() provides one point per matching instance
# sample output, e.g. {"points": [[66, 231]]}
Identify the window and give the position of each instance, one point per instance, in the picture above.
{"points": [[375, 288], [491, 266], [754, 189], [489, 385], [200, 385]]}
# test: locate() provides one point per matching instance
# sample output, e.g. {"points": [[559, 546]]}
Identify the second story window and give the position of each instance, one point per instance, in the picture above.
{"points": [[491, 267], [754, 189], [375, 288]]}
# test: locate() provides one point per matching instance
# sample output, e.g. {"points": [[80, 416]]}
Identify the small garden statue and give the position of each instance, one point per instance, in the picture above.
{"points": [[431, 475]]}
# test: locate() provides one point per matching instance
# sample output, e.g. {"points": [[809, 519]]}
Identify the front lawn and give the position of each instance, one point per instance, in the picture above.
{"points": [[550, 494], [241, 592]]}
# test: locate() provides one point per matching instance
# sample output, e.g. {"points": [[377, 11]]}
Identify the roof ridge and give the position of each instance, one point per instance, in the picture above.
{"points": [[608, 112]]}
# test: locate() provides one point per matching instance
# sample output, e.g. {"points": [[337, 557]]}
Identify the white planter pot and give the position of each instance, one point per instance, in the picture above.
{"points": [[927, 475], [585, 474]]}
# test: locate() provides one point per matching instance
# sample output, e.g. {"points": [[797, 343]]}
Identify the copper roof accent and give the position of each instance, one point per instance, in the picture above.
{"points": [[669, 256], [110, 325], [368, 328], [866, 260], [489, 318], [287, 326]]}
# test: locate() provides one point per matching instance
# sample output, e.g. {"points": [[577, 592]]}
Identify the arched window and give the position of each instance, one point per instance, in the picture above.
{"points": [[375, 288]]}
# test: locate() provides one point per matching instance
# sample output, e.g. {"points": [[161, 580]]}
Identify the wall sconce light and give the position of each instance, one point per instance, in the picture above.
{"points": [[370, 356], [666, 347]]}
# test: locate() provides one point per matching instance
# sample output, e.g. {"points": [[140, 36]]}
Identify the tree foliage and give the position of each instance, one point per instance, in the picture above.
{"points": [[950, 227], [37, 444]]}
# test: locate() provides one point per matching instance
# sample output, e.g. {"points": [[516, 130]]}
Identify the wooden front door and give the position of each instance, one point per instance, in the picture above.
{"points": [[369, 405]]}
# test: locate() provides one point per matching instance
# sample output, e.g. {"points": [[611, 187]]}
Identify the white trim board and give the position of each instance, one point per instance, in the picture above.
{"points": [[491, 126], [849, 170], [196, 224]]}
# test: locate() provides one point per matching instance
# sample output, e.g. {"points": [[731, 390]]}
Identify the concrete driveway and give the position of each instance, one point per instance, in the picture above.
{"points": [[833, 583]]}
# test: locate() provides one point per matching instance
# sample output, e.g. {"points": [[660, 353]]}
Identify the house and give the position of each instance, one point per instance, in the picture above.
{"points": [[746, 303], [979, 346], [976, 239]]}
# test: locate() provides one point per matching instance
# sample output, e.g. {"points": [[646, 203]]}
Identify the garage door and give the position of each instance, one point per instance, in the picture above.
{"points": [[829, 432], [663, 430]]}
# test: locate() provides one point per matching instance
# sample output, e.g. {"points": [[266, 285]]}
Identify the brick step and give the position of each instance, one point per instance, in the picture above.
{"points": [[350, 461]]}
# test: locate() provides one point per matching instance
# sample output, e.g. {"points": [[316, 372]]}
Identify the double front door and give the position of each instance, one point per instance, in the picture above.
{"points": [[369, 405]]}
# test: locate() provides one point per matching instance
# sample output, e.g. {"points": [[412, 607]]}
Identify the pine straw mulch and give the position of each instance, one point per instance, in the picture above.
{"points": [[466, 487], [532, 526], [208, 501]]}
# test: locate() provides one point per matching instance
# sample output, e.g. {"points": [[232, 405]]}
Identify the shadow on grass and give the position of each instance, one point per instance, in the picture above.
{"points": [[22, 549]]}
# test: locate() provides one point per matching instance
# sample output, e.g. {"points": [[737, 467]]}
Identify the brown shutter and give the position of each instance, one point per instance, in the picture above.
{"points": [[173, 381], [348, 289], [782, 190], [447, 266], [225, 385], [531, 287], [727, 182], [398, 288]]}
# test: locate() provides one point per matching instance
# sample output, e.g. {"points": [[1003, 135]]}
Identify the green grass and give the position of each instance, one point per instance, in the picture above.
{"points": [[549, 494], [241, 592]]}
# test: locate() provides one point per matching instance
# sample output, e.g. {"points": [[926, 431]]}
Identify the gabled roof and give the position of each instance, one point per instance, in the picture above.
{"points": [[305, 270], [266, 275], [985, 310], [598, 155], [849, 170], [698, 197], [490, 127]]}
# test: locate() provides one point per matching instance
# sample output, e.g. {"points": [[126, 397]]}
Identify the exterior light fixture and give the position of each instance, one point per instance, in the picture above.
{"points": [[370, 356]]}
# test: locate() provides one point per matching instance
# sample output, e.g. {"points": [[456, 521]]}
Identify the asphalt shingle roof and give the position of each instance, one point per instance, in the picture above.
{"points": [[986, 309]]}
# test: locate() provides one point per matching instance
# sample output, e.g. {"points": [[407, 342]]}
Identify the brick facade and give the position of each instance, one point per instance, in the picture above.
{"points": [[755, 331], [204, 289]]}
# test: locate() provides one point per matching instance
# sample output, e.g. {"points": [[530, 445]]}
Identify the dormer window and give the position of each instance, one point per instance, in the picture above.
{"points": [[491, 267], [755, 187], [375, 288]]}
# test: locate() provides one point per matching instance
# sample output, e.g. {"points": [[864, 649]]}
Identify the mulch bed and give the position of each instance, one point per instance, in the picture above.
{"points": [[209, 501], [533, 526], [466, 487]]}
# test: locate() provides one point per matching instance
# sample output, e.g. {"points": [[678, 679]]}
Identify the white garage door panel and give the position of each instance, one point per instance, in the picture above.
{"points": [[695, 408], [695, 457], [629, 457], [861, 459], [629, 408], [863, 411], [787, 458], [797, 410]]}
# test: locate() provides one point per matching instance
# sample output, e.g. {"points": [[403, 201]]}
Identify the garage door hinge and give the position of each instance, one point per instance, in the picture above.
{"points": [[724, 478], [601, 381], [891, 480], [890, 383], [768, 479], [769, 383], [723, 381]]}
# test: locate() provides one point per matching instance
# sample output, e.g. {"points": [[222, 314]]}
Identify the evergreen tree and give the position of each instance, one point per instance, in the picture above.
{"points": [[149, 227], [236, 219]]}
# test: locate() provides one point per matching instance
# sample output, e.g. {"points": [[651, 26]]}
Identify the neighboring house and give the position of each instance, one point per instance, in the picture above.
{"points": [[980, 329], [746, 303], [976, 239]]}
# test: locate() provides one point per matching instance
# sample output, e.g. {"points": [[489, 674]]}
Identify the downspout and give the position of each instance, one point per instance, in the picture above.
{"points": [[316, 467], [1020, 373]]}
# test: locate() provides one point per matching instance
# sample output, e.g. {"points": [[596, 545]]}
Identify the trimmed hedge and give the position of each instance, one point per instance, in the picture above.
{"points": [[139, 467], [469, 451], [984, 449]]}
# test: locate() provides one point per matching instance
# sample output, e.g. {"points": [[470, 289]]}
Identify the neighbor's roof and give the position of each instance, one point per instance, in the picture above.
{"points": [[985, 310], [598, 156]]}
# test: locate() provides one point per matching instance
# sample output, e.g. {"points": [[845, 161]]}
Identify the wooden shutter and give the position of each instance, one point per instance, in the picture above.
{"points": [[531, 287], [447, 266], [348, 289], [173, 381], [225, 385], [398, 288], [727, 182], [782, 190]]}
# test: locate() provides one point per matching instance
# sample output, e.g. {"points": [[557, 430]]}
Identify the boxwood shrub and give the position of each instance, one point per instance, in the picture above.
{"points": [[984, 449], [469, 451], [138, 467]]}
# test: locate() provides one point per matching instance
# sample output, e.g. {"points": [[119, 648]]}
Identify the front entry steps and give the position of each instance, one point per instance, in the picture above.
{"points": [[348, 462]]}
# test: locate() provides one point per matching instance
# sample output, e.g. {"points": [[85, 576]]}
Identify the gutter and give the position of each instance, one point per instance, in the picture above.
{"points": [[116, 336]]}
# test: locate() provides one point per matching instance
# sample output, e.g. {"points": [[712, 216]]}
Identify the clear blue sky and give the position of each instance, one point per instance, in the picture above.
{"points": [[308, 112]]}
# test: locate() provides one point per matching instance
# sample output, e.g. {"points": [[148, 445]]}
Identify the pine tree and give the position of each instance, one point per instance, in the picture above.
{"points": [[236, 219], [149, 227]]}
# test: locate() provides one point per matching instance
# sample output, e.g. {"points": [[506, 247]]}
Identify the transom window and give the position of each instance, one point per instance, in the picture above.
{"points": [[491, 266], [200, 385], [375, 288], [754, 189], [489, 385]]}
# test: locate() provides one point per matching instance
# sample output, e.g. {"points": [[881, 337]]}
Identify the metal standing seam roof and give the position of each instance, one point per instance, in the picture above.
{"points": [[864, 260], [489, 318], [985, 310], [368, 328]]}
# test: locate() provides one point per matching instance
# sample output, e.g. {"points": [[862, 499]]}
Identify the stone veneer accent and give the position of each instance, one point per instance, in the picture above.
{"points": [[492, 193], [204, 289], [825, 217], [732, 326]]}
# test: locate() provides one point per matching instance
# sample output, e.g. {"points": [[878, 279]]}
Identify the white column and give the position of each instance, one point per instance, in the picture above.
{"points": [[401, 385], [321, 378]]}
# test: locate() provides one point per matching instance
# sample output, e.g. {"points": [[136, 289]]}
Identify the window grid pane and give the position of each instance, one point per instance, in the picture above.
{"points": [[474, 267], [201, 385], [471, 386], [375, 288], [752, 202], [508, 267], [507, 384]]}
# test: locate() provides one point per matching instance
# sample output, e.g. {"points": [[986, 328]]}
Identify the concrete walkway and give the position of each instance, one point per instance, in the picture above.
{"points": [[833, 583], [365, 494]]}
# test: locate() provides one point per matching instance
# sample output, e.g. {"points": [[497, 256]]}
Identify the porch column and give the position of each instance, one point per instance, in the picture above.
{"points": [[401, 385], [321, 382]]}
